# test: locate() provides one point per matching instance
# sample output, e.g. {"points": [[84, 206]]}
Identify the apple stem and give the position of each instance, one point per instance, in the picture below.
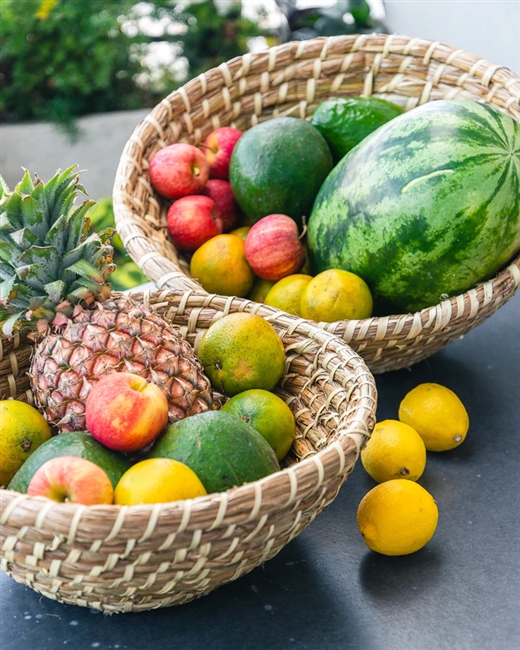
{"points": [[304, 229]]}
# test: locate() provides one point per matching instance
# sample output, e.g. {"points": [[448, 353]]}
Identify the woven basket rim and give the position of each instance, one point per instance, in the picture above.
{"points": [[343, 441], [435, 50]]}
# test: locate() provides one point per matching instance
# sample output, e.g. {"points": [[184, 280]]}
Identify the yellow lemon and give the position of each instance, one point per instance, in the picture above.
{"points": [[22, 430], [157, 480], [268, 414], [260, 290], [220, 266], [286, 294], [394, 450], [437, 414], [397, 517], [242, 351], [336, 295]]}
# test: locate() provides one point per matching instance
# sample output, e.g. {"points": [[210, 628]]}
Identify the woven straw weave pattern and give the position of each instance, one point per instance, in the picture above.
{"points": [[292, 79], [121, 559]]}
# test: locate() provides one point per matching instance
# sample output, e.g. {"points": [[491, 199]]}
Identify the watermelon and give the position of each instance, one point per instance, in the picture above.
{"points": [[425, 207]]}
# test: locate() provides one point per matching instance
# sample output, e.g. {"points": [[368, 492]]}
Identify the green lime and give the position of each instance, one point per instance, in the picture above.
{"points": [[268, 414], [344, 122]]}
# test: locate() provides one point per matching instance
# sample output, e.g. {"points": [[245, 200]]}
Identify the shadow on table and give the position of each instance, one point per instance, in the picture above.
{"points": [[279, 605], [380, 575]]}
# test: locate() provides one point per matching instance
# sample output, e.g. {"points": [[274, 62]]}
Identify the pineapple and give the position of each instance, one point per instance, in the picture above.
{"points": [[54, 289]]}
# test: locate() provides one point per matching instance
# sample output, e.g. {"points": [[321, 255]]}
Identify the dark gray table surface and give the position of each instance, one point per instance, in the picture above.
{"points": [[326, 590]]}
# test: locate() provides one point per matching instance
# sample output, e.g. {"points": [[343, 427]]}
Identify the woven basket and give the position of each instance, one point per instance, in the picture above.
{"points": [[131, 558], [292, 79]]}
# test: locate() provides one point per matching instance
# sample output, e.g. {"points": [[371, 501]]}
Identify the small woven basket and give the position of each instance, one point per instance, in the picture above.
{"points": [[132, 558], [292, 79]]}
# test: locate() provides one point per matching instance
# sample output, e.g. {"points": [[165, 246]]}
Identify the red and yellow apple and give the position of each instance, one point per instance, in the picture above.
{"points": [[125, 412], [218, 147], [220, 191], [273, 248], [178, 170], [193, 220], [72, 479]]}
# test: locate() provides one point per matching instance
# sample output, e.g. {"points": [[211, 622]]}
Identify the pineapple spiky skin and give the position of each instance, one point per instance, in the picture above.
{"points": [[117, 335], [54, 288]]}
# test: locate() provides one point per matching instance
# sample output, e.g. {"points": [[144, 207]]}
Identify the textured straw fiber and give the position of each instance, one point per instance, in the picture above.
{"points": [[15, 356], [122, 559], [292, 79]]}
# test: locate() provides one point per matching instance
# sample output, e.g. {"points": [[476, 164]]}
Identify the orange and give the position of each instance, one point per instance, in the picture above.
{"points": [[220, 266], [268, 414], [157, 480], [397, 517], [260, 290], [437, 414], [22, 430], [287, 292], [242, 351], [394, 450], [336, 295]]}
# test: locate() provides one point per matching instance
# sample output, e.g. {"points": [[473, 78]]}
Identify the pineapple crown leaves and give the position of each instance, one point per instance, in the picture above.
{"points": [[49, 261]]}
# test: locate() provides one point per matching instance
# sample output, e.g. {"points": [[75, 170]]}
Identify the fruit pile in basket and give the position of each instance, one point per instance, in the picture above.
{"points": [[391, 212], [130, 453], [106, 365]]}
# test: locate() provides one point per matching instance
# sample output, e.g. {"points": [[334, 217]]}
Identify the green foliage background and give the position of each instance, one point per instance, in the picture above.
{"points": [[60, 59], [127, 273]]}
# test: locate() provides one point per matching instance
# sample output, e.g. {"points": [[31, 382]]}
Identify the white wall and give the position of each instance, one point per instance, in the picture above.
{"points": [[489, 29], [42, 148]]}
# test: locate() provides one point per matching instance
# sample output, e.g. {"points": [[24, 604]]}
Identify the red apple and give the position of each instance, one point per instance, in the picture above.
{"points": [[218, 147], [193, 220], [72, 479], [273, 248], [125, 412], [220, 191], [178, 170]]}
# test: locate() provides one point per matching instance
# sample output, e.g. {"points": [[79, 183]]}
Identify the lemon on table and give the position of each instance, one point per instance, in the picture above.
{"points": [[437, 414], [157, 480], [22, 430], [286, 294], [394, 450], [242, 351], [336, 295], [268, 414], [397, 517]]}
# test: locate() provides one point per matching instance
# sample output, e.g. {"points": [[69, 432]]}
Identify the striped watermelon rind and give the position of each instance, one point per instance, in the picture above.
{"points": [[425, 207]]}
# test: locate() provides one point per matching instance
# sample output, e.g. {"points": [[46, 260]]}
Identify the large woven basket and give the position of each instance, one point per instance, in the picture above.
{"points": [[292, 79], [121, 559]]}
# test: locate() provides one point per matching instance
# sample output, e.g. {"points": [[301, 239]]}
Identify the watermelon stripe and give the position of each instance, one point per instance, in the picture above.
{"points": [[499, 124]]}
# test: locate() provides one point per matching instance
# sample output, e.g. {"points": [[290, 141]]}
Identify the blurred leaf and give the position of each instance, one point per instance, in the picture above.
{"points": [[360, 11], [102, 217], [60, 59], [343, 17], [127, 276]]}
